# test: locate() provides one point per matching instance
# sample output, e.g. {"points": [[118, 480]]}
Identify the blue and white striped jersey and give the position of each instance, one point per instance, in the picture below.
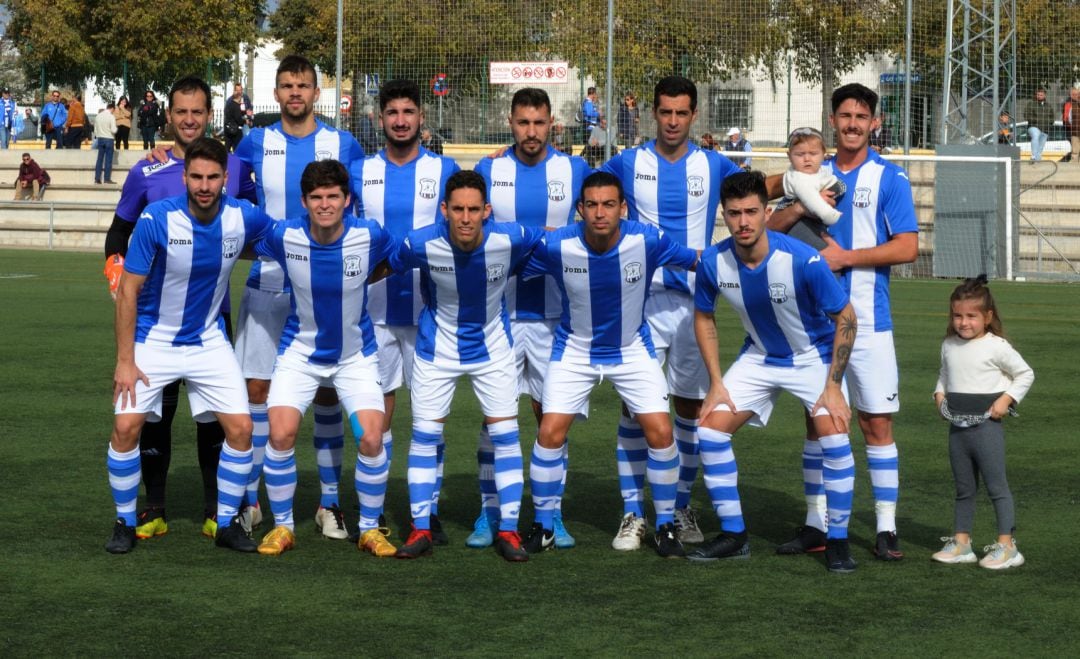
{"points": [[603, 295], [464, 319], [187, 265], [681, 198], [400, 198], [278, 160], [877, 206], [540, 195], [783, 303], [329, 321]]}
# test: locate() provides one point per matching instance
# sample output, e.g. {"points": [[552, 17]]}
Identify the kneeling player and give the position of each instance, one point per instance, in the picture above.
{"points": [[596, 339], [328, 341], [785, 295]]}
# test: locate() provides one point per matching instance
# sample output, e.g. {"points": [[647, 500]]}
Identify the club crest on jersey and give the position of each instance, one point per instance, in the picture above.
{"points": [[632, 272], [324, 155], [495, 272], [695, 185], [428, 188], [556, 191], [778, 293], [862, 198], [352, 265], [230, 247]]}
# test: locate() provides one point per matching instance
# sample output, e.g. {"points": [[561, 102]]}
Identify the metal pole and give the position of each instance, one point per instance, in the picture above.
{"points": [[907, 82], [337, 62], [790, 64], [610, 79], [947, 80]]}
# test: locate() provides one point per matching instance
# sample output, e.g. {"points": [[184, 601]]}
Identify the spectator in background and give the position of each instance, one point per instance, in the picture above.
{"points": [[708, 142], [629, 119], [8, 112], [1070, 116], [431, 140], [237, 114], [53, 117], [1005, 128], [736, 142], [148, 120], [1040, 117], [881, 139], [590, 114], [123, 122], [104, 141], [558, 137], [594, 148], [367, 134], [32, 180], [29, 125], [76, 124]]}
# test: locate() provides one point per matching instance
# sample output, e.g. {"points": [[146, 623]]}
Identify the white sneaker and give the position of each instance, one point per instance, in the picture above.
{"points": [[955, 552], [1001, 557], [331, 522], [686, 526], [631, 531]]}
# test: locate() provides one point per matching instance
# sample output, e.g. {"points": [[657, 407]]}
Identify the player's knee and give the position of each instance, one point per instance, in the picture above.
{"points": [[125, 435], [258, 390], [876, 428], [657, 429]]}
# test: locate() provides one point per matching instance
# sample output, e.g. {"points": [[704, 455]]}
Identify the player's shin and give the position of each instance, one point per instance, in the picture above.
{"points": [[509, 480], [422, 470], [838, 471], [722, 478]]}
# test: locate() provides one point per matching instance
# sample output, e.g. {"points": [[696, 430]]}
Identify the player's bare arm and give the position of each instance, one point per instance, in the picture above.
{"points": [[832, 397], [705, 333], [900, 248], [127, 372], [380, 271]]}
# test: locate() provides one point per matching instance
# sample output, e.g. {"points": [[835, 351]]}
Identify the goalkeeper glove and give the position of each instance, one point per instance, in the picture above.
{"points": [[114, 267]]}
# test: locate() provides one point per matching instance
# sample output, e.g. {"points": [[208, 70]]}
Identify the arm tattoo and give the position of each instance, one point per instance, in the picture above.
{"points": [[840, 362], [846, 329]]}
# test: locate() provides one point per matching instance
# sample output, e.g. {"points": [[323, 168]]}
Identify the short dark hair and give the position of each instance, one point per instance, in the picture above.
{"points": [[466, 178], [206, 148], [743, 185], [297, 64], [189, 85], [859, 93], [530, 97], [110, 105], [673, 86], [324, 174], [602, 180], [590, 90], [400, 88]]}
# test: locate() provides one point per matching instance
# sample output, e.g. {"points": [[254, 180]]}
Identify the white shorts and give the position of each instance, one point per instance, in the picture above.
{"points": [[640, 384], [214, 382], [258, 331], [494, 382], [532, 352], [670, 315], [356, 381], [872, 375], [754, 386], [397, 345]]}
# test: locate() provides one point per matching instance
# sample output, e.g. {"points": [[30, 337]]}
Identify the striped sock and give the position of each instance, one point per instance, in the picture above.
{"points": [[234, 468], [423, 470], [280, 470], [372, 473], [260, 435], [722, 478], [485, 461], [838, 471], [508, 471], [545, 474], [662, 471], [883, 462], [125, 471], [817, 514], [631, 456], [329, 441], [686, 438], [440, 463], [388, 446], [562, 483]]}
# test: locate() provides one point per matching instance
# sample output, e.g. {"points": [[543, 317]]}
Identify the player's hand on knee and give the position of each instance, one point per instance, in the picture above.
{"points": [[124, 379], [832, 401]]}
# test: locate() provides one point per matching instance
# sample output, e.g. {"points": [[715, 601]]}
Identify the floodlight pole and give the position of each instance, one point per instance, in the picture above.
{"points": [[337, 64], [610, 79]]}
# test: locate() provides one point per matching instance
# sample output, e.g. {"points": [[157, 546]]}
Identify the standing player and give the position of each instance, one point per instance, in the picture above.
{"points": [[169, 326], [877, 230], [672, 184], [537, 186], [328, 341], [189, 113], [278, 155], [465, 264], [603, 267], [401, 188], [785, 295]]}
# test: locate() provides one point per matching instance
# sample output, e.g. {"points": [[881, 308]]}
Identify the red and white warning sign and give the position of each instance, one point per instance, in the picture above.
{"points": [[530, 73]]}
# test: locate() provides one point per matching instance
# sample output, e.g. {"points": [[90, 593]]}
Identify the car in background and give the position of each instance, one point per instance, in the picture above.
{"points": [[1057, 140]]}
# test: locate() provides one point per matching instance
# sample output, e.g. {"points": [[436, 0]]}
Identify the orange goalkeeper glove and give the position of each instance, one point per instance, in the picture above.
{"points": [[114, 267]]}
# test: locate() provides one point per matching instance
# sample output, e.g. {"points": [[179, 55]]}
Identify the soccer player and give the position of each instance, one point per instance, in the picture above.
{"points": [[169, 326], [328, 341], [785, 296], [877, 230], [603, 268], [189, 112], [465, 264], [674, 185], [537, 186], [401, 188], [278, 155]]}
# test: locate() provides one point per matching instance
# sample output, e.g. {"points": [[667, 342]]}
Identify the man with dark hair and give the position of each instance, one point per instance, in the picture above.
{"points": [[401, 188], [168, 326], [238, 114], [535, 185], [76, 123], [54, 115], [877, 229], [278, 155], [1040, 117], [105, 138], [590, 114], [147, 182]]}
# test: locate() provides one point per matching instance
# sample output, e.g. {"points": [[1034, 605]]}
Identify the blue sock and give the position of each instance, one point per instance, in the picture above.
{"points": [[485, 461], [883, 462], [440, 462], [662, 472], [562, 483], [372, 474], [260, 435], [125, 472], [817, 514], [423, 469], [686, 438], [631, 456], [234, 468], [329, 441], [280, 470], [721, 478], [388, 446], [838, 471], [508, 471], [545, 474]]}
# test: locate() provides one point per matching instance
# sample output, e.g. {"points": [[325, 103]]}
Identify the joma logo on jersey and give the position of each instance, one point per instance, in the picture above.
{"points": [[372, 181], [862, 198], [502, 184], [556, 191], [778, 293], [273, 152], [180, 241], [644, 177], [289, 256], [442, 268], [727, 284], [428, 188], [632, 272], [352, 265], [230, 247], [495, 272], [569, 269], [695, 185]]}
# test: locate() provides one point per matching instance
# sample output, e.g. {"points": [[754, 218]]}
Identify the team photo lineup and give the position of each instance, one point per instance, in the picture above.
{"points": [[533, 275]]}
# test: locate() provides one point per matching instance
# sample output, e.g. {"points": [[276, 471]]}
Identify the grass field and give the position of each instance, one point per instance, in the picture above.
{"points": [[61, 594]]}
